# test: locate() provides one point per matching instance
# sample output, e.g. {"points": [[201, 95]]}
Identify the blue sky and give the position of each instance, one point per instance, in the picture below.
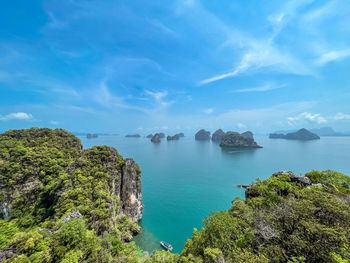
{"points": [[143, 66]]}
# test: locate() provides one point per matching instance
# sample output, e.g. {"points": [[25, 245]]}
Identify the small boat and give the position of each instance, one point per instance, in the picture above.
{"points": [[166, 245]]}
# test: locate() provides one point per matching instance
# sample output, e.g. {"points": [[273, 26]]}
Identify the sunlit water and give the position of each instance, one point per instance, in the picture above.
{"points": [[184, 181]]}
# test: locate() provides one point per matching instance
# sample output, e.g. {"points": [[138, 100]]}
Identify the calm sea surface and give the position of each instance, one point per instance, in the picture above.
{"points": [[184, 181]]}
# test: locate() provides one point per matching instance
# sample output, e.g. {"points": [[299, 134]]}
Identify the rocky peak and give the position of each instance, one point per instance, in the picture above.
{"points": [[202, 135]]}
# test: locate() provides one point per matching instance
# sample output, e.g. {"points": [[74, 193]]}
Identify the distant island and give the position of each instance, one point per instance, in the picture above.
{"points": [[237, 140], [91, 136], [133, 136], [156, 138], [323, 131], [302, 135], [202, 135]]}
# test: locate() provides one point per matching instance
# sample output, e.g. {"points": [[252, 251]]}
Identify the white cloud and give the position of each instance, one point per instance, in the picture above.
{"points": [[208, 111], [306, 116], [17, 116], [266, 87], [333, 56], [241, 125], [55, 122], [342, 116]]}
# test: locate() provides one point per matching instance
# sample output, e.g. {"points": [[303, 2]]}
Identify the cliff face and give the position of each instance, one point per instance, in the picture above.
{"points": [[131, 190]]}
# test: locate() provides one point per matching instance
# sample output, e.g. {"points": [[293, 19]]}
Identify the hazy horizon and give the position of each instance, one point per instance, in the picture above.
{"points": [[140, 67]]}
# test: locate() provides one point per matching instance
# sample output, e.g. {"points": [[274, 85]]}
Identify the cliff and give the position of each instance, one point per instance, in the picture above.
{"points": [[47, 177], [302, 134], [237, 140]]}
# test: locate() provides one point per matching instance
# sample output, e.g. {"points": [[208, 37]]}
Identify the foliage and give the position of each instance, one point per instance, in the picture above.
{"points": [[45, 175]]}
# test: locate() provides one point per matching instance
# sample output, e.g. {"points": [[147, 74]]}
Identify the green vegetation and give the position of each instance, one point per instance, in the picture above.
{"points": [[58, 203], [45, 178]]}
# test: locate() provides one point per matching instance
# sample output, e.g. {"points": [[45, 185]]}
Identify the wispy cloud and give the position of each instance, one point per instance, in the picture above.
{"points": [[333, 56], [208, 111], [266, 87], [342, 116], [17, 116], [308, 117]]}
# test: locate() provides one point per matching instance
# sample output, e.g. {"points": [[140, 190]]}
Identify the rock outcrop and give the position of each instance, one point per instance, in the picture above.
{"points": [[251, 192], [237, 140], [133, 136], [172, 138], [202, 135], [156, 138], [181, 134], [296, 179], [149, 136], [302, 135], [131, 190], [217, 136], [162, 135]]}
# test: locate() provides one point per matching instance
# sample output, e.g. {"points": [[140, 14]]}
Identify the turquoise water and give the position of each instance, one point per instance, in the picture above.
{"points": [[183, 181]]}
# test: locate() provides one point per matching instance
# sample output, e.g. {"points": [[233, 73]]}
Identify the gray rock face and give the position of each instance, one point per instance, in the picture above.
{"points": [[202, 135], [217, 136], [149, 136], [171, 138], [8, 252], [297, 179], [131, 190], [72, 215], [236, 140], [156, 138], [302, 134]]}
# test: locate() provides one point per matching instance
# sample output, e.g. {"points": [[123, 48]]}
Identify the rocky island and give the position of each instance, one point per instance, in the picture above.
{"points": [[172, 138], [156, 138], [302, 134], [217, 136], [149, 136], [91, 136], [202, 135], [237, 140]]}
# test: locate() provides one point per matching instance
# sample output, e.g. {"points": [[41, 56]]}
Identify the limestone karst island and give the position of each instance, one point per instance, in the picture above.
{"points": [[186, 131]]}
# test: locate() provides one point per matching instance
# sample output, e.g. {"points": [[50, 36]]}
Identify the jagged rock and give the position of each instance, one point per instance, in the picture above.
{"points": [[171, 138], [236, 140], [8, 252], [72, 215], [133, 136], [131, 190], [202, 135], [297, 179], [217, 136], [156, 138], [149, 136], [302, 134]]}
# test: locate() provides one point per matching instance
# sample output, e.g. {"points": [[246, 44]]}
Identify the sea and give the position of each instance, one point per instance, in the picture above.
{"points": [[184, 181]]}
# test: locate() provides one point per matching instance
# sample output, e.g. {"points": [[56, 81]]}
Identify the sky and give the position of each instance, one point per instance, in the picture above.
{"points": [[118, 66]]}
